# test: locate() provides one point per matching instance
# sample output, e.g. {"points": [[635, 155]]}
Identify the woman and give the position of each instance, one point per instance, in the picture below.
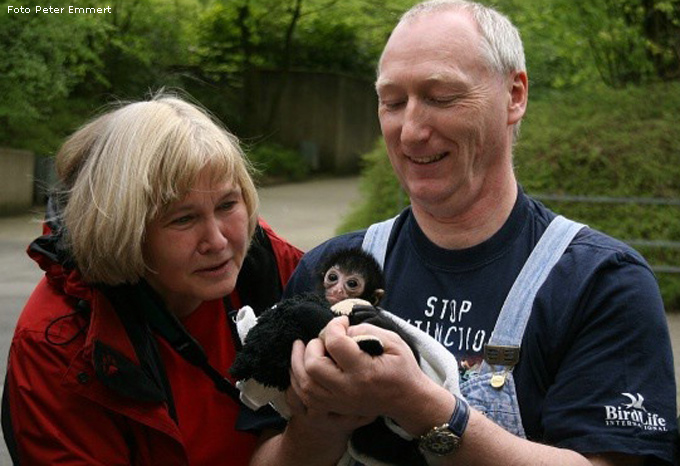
{"points": [[119, 354]]}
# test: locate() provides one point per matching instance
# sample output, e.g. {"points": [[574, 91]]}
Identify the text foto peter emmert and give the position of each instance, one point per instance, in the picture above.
{"points": [[54, 9]]}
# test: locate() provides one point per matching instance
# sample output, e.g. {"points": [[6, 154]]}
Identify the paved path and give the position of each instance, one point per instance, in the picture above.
{"points": [[304, 213]]}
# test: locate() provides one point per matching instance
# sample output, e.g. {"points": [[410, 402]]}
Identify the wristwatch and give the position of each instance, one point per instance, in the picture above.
{"points": [[445, 439]]}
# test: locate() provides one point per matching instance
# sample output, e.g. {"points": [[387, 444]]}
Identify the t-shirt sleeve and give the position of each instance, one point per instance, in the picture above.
{"points": [[614, 389]]}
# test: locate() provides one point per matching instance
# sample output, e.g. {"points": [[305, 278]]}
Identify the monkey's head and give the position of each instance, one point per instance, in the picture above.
{"points": [[352, 273]]}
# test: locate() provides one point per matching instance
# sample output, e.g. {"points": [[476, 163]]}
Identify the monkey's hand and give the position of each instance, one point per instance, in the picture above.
{"points": [[360, 310], [346, 306], [370, 344]]}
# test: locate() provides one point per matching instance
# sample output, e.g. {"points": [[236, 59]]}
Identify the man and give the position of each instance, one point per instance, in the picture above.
{"points": [[566, 363]]}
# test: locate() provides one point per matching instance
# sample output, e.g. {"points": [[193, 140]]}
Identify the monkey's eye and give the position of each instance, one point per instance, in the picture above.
{"points": [[352, 283], [332, 277]]}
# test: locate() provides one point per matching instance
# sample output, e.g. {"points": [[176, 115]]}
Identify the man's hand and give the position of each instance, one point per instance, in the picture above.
{"points": [[333, 374]]}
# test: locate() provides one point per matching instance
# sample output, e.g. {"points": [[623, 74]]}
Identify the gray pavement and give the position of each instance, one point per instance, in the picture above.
{"points": [[304, 213]]}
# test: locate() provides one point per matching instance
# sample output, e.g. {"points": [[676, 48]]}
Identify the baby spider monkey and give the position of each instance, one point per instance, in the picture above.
{"points": [[351, 273]]}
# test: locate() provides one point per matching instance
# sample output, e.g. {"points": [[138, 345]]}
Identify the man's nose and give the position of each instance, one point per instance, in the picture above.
{"points": [[415, 127]]}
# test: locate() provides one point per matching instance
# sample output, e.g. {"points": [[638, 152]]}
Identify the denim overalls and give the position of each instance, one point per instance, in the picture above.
{"points": [[492, 390]]}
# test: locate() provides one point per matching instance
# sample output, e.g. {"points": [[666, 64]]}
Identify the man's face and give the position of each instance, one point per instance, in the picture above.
{"points": [[444, 115]]}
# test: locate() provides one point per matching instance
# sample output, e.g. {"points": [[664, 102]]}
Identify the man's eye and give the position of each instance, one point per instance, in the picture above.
{"points": [[442, 101], [393, 104]]}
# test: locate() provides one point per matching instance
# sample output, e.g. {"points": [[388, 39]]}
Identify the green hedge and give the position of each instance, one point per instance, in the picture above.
{"points": [[275, 163], [604, 142]]}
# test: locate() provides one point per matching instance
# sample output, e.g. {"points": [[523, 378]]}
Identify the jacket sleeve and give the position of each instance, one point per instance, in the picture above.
{"points": [[49, 424]]}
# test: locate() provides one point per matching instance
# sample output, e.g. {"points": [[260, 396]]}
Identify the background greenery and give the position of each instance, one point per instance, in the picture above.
{"points": [[56, 69], [603, 118]]}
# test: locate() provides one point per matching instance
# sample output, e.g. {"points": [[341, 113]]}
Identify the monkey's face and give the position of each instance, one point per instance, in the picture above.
{"points": [[340, 284]]}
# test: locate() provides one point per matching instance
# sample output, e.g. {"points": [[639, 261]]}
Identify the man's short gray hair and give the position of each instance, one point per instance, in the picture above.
{"points": [[502, 44]]}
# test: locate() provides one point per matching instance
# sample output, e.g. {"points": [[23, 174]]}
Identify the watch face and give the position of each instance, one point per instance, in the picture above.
{"points": [[440, 441]]}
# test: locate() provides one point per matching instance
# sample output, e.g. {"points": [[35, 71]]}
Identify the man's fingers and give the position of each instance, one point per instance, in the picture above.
{"points": [[310, 368], [341, 347], [336, 327]]}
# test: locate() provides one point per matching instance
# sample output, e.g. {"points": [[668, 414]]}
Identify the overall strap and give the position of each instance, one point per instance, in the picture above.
{"points": [[503, 346], [376, 238]]}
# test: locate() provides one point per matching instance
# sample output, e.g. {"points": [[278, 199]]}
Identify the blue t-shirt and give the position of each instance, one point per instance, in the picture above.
{"points": [[596, 367]]}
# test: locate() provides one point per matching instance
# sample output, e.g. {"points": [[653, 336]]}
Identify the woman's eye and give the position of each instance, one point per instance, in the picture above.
{"points": [[227, 205], [182, 220]]}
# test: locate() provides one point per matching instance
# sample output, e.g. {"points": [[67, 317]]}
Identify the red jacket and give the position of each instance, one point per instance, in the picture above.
{"points": [[73, 365]]}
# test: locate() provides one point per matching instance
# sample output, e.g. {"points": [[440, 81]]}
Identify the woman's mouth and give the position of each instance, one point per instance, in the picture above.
{"points": [[217, 269]]}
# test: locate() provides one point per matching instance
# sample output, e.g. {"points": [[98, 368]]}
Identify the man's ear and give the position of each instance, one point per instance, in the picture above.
{"points": [[518, 87]]}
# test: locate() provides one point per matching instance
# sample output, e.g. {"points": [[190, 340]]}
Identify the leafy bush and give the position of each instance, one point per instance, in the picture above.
{"points": [[615, 144], [275, 162], [607, 143], [381, 194]]}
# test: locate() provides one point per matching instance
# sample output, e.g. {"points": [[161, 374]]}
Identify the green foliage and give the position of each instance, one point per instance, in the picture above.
{"points": [[614, 143], [207, 47], [148, 40], [617, 42], [327, 35], [44, 56], [381, 194], [610, 143], [275, 162], [612, 31], [56, 68], [333, 46], [603, 142], [232, 38], [557, 54]]}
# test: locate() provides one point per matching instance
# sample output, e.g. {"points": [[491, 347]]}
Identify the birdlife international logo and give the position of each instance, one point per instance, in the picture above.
{"points": [[631, 412]]}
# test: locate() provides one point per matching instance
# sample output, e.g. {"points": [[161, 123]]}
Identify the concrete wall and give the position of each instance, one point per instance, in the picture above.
{"points": [[331, 119], [17, 169]]}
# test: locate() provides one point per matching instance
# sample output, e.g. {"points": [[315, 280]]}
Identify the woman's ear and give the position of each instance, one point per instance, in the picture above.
{"points": [[518, 87]]}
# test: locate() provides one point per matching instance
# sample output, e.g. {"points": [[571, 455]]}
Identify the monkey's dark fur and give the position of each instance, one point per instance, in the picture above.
{"points": [[265, 355]]}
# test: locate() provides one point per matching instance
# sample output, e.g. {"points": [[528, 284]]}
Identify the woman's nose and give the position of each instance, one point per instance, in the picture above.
{"points": [[213, 237]]}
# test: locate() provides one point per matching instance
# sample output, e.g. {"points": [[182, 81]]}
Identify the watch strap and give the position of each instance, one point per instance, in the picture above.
{"points": [[444, 439], [460, 417]]}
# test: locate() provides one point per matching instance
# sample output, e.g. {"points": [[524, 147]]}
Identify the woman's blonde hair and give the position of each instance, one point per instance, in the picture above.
{"points": [[123, 168]]}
